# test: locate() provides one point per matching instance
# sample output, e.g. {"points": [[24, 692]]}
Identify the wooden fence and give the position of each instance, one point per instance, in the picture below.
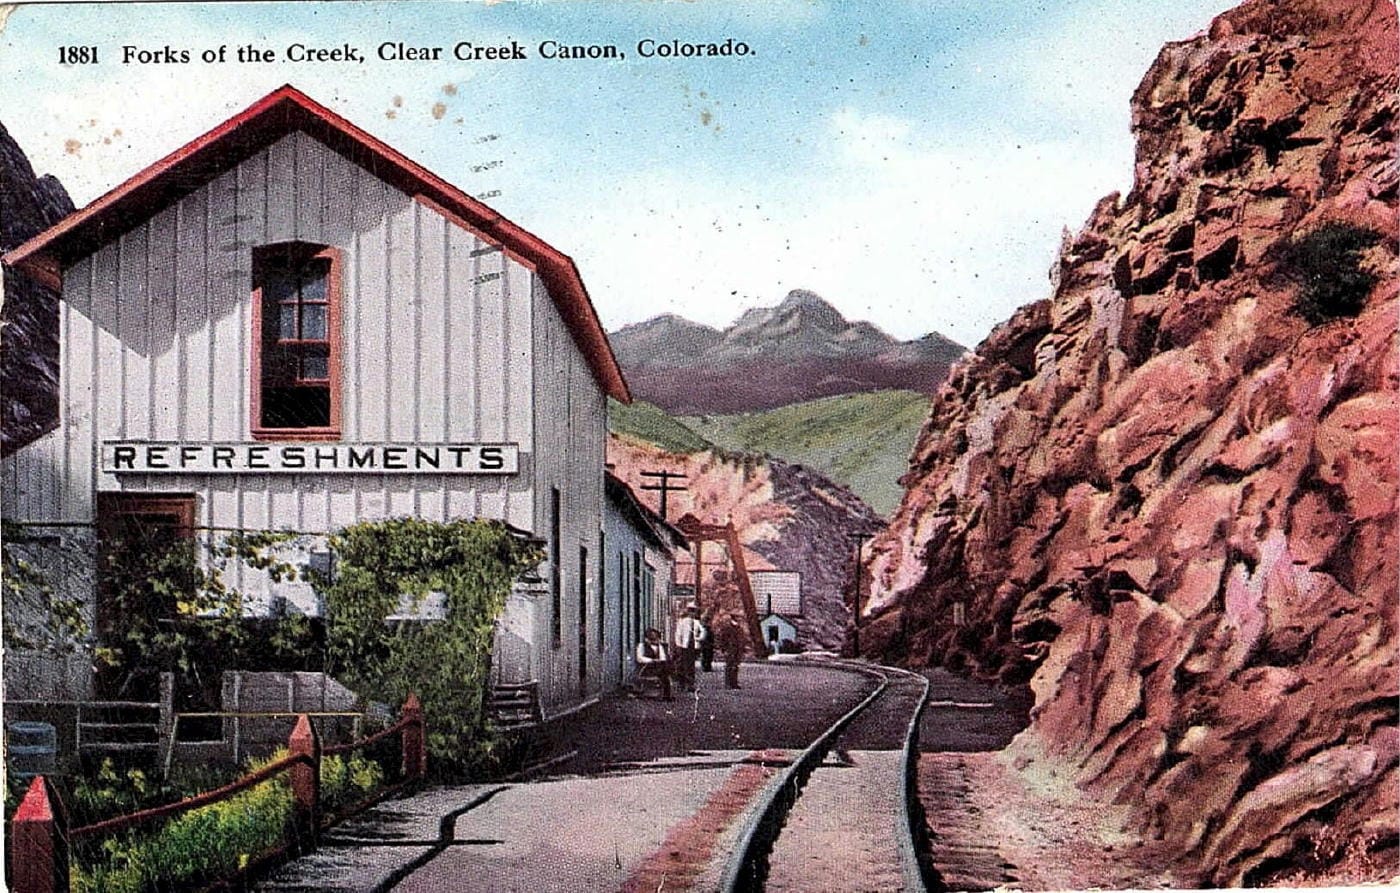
{"points": [[40, 836]]}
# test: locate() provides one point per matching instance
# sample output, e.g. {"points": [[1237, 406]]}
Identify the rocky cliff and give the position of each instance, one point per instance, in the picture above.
{"points": [[790, 516], [29, 337], [1166, 496]]}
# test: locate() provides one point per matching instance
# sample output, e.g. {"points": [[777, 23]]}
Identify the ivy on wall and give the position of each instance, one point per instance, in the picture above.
{"points": [[391, 569], [38, 616]]}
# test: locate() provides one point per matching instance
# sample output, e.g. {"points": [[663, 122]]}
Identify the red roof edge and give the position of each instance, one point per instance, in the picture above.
{"points": [[282, 111]]}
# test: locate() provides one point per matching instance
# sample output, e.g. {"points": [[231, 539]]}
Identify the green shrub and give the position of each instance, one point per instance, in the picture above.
{"points": [[1327, 264], [446, 662], [206, 843], [346, 782]]}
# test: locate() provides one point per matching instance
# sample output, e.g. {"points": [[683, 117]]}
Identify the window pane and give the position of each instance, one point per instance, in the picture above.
{"points": [[287, 328], [315, 365], [313, 322], [278, 285], [296, 407], [313, 284]]}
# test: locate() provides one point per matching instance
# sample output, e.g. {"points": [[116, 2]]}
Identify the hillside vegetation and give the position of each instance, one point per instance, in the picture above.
{"points": [[860, 440], [649, 423]]}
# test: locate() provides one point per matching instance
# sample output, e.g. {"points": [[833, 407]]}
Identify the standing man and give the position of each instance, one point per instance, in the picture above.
{"points": [[707, 644], [731, 642], [690, 632]]}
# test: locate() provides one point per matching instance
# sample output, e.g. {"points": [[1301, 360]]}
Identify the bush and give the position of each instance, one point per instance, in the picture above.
{"points": [[383, 565], [346, 782], [1327, 264]]}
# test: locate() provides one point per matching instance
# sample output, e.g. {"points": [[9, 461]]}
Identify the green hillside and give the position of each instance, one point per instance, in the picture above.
{"points": [[651, 423], [860, 440]]}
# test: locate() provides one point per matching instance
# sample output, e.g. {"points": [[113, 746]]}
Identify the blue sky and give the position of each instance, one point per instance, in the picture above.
{"points": [[914, 161]]}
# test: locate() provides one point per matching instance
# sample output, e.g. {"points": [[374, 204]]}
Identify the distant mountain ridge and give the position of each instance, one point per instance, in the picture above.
{"points": [[800, 350]]}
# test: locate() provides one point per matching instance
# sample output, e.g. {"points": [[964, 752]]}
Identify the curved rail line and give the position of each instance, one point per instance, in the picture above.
{"points": [[747, 868]]}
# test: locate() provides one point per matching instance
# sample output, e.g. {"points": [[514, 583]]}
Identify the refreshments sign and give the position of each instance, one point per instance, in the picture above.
{"points": [[141, 457]]}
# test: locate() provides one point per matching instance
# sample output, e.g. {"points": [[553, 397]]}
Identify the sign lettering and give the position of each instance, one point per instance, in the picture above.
{"points": [[141, 457]]}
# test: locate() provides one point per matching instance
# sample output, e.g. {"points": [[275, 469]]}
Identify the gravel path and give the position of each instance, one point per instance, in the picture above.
{"points": [[840, 836], [997, 826]]}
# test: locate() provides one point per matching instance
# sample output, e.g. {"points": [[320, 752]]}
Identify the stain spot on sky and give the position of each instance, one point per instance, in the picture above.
{"points": [[705, 117], [439, 109], [863, 41], [72, 147], [398, 102], [449, 89]]}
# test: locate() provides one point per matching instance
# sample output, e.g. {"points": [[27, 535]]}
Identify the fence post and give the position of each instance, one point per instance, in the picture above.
{"points": [[39, 842], [166, 733], [306, 783], [415, 740]]}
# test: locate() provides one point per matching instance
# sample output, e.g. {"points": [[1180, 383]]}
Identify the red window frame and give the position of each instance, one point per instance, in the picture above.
{"points": [[263, 258]]}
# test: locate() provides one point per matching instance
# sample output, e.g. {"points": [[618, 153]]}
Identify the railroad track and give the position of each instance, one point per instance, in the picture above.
{"points": [[845, 815]]}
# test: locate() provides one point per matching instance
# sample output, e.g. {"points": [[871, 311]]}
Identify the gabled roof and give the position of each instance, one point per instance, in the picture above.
{"points": [[647, 522], [283, 111]]}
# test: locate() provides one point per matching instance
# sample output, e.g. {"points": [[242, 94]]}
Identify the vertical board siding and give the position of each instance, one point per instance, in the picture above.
{"points": [[228, 292], [76, 390], [165, 354], [107, 382], [462, 401], [570, 427], [194, 321], [444, 338], [369, 385], [400, 303], [281, 182]]}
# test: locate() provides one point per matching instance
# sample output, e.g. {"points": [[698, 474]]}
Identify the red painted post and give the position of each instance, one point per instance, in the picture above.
{"points": [[306, 783], [415, 740], [39, 842]]}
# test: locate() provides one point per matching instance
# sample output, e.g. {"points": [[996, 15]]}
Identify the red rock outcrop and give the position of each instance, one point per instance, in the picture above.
{"points": [[1165, 496], [789, 515]]}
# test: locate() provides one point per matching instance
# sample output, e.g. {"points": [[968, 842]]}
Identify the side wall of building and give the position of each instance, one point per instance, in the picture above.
{"points": [[625, 616], [570, 432]]}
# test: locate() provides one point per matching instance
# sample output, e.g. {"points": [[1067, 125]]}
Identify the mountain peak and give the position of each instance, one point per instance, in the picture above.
{"points": [[801, 298], [801, 349]]}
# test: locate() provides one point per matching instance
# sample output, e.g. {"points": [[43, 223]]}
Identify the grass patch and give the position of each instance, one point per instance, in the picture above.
{"points": [[650, 423], [860, 440], [214, 841]]}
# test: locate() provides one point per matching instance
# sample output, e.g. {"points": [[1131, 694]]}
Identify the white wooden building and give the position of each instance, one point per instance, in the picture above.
{"points": [[287, 324], [639, 551]]}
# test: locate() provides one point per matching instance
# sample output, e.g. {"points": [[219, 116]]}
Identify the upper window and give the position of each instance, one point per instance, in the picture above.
{"points": [[296, 361]]}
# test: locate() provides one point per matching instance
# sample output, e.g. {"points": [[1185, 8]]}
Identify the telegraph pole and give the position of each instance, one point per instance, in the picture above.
{"points": [[859, 539], [665, 488]]}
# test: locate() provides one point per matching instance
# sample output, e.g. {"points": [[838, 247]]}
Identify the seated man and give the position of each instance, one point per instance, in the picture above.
{"points": [[652, 660]]}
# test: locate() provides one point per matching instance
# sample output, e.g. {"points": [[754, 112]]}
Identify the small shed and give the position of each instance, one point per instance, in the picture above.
{"points": [[776, 630]]}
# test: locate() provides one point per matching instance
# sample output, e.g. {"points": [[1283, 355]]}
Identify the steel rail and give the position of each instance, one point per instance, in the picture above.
{"points": [[919, 875], [748, 863]]}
